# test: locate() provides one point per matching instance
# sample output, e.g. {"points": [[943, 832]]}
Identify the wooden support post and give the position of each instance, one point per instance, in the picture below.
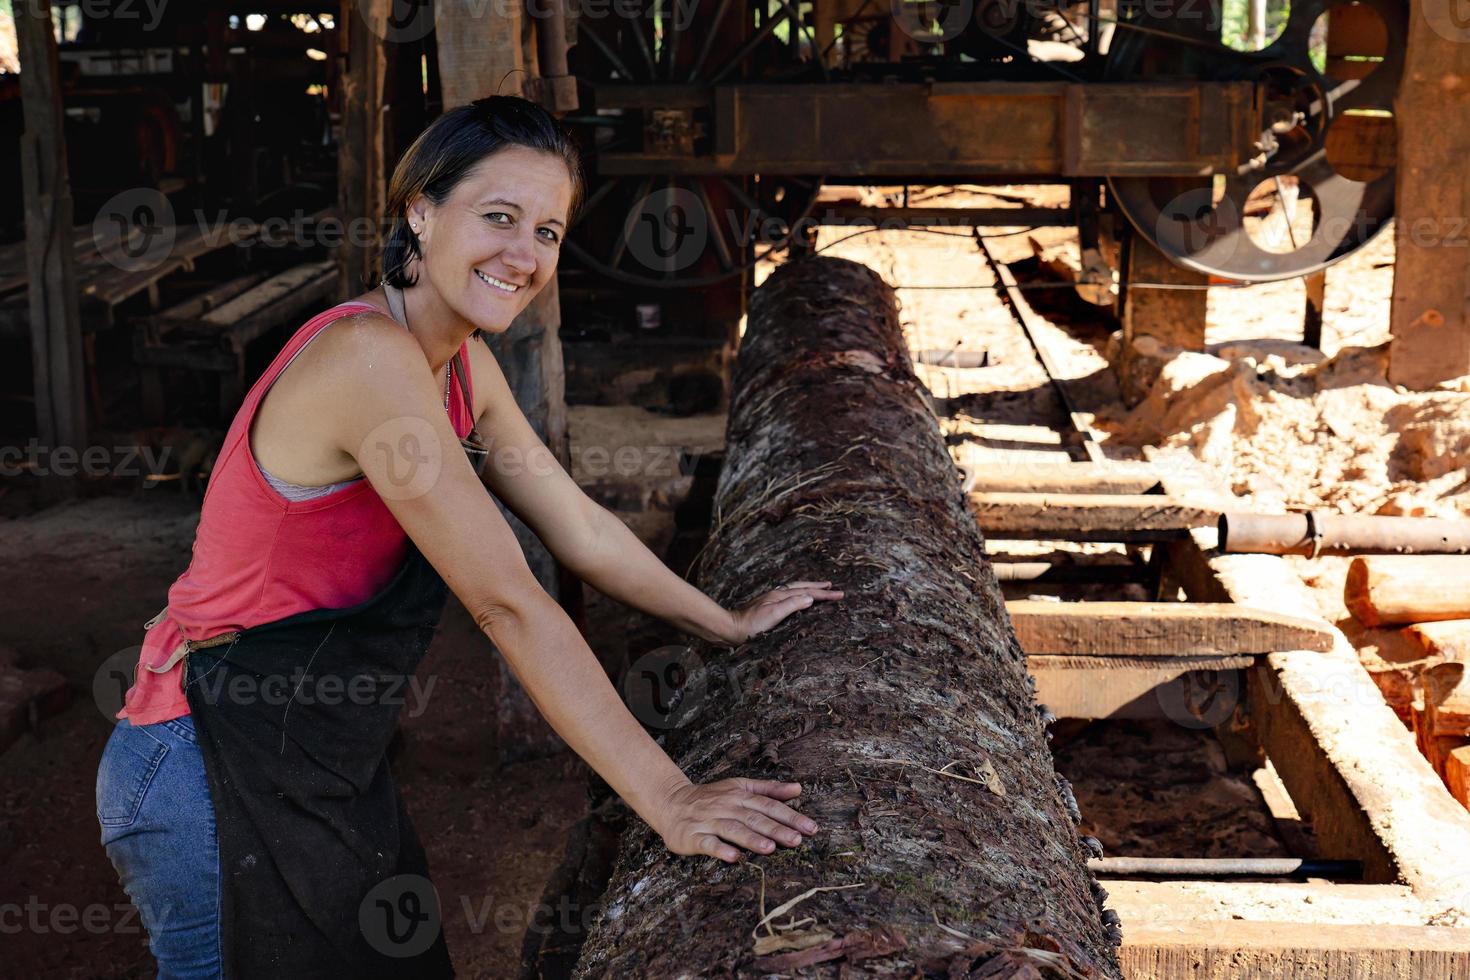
{"points": [[362, 164], [1430, 314], [480, 56], [56, 333], [1316, 285], [1156, 320]]}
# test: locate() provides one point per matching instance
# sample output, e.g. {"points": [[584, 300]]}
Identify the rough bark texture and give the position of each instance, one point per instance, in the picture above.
{"points": [[905, 710]]}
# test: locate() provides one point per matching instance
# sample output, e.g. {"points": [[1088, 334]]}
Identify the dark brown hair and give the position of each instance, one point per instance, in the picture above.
{"points": [[452, 146]]}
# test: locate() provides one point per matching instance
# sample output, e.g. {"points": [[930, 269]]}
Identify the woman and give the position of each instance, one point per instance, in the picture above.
{"points": [[245, 798]]}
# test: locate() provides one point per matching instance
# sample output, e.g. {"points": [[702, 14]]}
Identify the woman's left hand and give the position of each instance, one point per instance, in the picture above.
{"points": [[769, 609]]}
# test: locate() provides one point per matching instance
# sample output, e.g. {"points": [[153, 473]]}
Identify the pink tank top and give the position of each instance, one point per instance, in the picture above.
{"points": [[259, 557]]}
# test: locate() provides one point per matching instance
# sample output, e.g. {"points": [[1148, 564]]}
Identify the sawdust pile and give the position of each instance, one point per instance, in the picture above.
{"points": [[1289, 428]]}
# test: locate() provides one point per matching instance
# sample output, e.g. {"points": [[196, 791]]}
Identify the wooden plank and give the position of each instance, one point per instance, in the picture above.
{"points": [[1244, 950], [268, 305], [479, 56], [1141, 903], [1143, 688], [315, 293], [1341, 752], [1087, 517], [190, 310], [1430, 313], [1163, 629], [111, 285], [57, 358], [1114, 477]]}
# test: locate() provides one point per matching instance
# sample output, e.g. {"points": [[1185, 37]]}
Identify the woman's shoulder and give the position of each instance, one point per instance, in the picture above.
{"points": [[362, 329]]}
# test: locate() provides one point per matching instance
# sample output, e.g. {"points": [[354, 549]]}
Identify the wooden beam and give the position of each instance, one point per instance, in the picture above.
{"points": [[1178, 689], [1316, 288], [1236, 949], [480, 56], [362, 167], [56, 336], [1087, 517], [1113, 477], [1160, 629], [1142, 903], [1430, 313]]}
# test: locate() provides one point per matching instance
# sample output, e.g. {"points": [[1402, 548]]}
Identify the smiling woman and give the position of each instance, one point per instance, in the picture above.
{"points": [[348, 498]]}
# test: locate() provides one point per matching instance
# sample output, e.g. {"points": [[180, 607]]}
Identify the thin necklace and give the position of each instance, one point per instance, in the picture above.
{"points": [[449, 366]]}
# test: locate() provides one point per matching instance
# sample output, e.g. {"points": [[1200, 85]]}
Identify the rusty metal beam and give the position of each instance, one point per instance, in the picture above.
{"points": [[956, 128]]}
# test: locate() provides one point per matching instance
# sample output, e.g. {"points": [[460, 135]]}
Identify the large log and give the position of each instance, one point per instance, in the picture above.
{"points": [[1397, 589], [948, 843]]}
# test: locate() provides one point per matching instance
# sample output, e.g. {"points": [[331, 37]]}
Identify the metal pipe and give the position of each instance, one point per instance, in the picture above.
{"points": [[1044, 572], [1317, 533], [1226, 867]]}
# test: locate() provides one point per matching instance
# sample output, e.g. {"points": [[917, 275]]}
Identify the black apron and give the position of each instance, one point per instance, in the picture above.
{"points": [[321, 871]]}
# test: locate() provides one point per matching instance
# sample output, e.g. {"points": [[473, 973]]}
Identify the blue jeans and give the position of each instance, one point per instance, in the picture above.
{"points": [[158, 828]]}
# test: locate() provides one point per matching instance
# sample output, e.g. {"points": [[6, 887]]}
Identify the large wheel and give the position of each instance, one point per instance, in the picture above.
{"points": [[1322, 183]]}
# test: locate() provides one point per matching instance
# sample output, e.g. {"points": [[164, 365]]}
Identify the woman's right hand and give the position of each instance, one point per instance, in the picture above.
{"points": [[711, 818]]}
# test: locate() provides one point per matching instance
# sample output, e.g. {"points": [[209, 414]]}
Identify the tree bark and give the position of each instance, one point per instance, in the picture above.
{"points": [[948, 844]]}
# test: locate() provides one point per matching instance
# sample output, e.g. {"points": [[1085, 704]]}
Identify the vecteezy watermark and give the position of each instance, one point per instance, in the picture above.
{"points": [[566, 917], [400, 917], [150, 12], [1449, 231], [936, 21], [667, 230], [303, 687], [93, 461], [407, 450], [408, 21], [1450, 19], [298, 686], [112, 679], [1200, 699], [1194, 219], [67, 918], [135, 230], [665, 688]]}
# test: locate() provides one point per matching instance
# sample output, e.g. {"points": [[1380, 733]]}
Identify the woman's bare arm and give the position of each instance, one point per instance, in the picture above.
{"points": [[386, 411], [590, 541]]}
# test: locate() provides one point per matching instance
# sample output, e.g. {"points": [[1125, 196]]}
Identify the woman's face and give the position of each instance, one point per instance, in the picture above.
{"points": [[494, 243]]}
